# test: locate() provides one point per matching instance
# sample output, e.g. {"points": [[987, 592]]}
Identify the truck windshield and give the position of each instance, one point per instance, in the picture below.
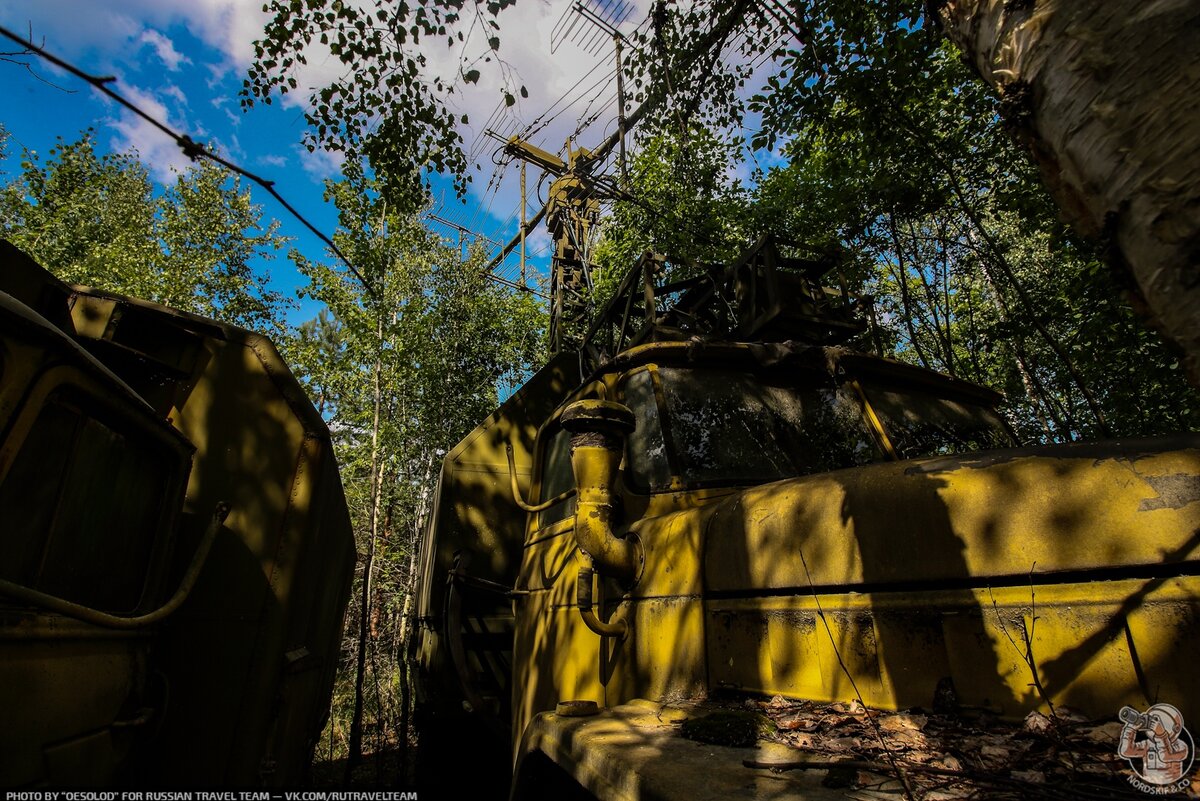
{"points": [[727, 427], [718, 427], [922, 424]]}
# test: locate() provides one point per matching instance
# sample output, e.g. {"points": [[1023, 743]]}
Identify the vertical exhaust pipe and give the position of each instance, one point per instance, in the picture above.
{"points": [[598, 430]]}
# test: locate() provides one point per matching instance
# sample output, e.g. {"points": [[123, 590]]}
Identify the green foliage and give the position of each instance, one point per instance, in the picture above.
{"points": [[402, 372], [678, 64], [682, 201], [95, 219], [898, 157], [443, 335], [895, 158], [385, 108], [440, 336]]}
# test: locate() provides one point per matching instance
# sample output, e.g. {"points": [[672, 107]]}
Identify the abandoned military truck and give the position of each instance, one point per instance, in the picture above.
{"points": [[713, 497], [175, 549]]}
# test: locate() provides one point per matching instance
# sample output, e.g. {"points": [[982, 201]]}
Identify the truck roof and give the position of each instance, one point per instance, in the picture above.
{"points": [[782, 355]]}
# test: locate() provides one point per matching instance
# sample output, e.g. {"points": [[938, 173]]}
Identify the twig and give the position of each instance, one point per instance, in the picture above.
{"points": [[908, 791], [15, 58], [1027, 632], [1027, 635], [1026, 653]]}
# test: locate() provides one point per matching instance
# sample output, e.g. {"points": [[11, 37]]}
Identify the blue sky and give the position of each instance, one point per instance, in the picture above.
{"points": [[177, 78], [183, 61]]}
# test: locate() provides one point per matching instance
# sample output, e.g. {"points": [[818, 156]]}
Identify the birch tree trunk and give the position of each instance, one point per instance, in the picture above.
{"points": [[1104, 95], [356, 721]]}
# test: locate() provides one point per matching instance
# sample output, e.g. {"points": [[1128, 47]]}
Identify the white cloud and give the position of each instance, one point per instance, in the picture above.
{"points": [[70, 26], [584, 79], [157, 150], [175, 93], [231, 26], [539, 242], [320, 164], [164, 48], [230, 145], [216, 74], [272, 160]]}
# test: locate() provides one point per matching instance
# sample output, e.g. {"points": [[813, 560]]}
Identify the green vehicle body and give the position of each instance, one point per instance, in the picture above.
{"points": [[175, 552]]}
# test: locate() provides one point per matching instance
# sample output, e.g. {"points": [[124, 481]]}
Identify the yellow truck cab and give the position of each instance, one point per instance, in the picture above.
{"points": [[699, 518]]}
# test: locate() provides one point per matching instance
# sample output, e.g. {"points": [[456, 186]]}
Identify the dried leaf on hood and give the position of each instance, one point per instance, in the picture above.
{"points": [[799, 722], [995, 755], [842, 744], [1106, 733], [1068, 715], [803, 742], [1037, 722], [947, 762], [902, 721], [853, 707], [949, 794]]}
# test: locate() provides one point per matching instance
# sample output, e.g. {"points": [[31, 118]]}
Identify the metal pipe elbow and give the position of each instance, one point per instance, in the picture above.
{"points": [[621, 558], [583, 599], [598, 431]]}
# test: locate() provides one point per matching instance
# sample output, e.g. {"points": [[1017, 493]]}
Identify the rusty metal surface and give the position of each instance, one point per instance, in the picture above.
{"points": [[66, 684], [762, 295], [473, 506], [279, 584], [61, 682], [476, 531], [977, 519]]}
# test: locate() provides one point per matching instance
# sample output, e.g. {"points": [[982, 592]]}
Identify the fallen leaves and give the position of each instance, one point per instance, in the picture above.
{"points": [[950, 757]]}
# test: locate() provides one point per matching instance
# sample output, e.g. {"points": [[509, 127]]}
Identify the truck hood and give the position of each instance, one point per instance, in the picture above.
{"points": [[1114, 508]]}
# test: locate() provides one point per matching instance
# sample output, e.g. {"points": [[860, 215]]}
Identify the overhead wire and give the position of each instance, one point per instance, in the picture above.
{"points": [[541, 122], [593, 90], [792, 25], [583, 124], [734, 16], [190, 147], [576, 94], [588, 45], [196, 150], [545, 118], [557, 31], [583, 120], [478, 142]]}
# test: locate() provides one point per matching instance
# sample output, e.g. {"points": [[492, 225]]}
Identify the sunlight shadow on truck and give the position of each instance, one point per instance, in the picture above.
{"points": [[939, 584], [1158, 666], [634, 751], [470, 554], [224, 685], [255, 645]]}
